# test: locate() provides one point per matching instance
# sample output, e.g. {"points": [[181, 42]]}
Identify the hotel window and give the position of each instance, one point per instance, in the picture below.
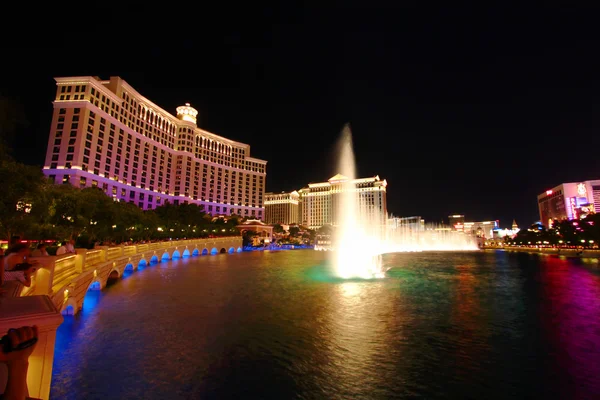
{"points": [[65, 179]]}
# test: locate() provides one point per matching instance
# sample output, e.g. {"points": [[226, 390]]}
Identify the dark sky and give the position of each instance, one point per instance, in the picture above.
{"points": [[471, 111]]}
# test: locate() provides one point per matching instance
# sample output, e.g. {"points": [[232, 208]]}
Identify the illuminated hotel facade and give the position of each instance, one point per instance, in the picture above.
{"points": [[105, 134], [569, 201], [318, 201], [483, 229], [282, 208]]}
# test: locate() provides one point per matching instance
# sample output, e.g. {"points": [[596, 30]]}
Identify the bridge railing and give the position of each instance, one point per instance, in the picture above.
{"points": [[58, 272], [64, 280]]}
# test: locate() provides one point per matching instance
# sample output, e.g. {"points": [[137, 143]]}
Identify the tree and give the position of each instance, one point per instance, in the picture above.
{"points": [[247, 237], [20, 186], [325, 230], [277, 228]]}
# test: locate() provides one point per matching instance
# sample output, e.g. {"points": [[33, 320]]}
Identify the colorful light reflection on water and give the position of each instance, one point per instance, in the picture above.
{"points": [[283, 325]]}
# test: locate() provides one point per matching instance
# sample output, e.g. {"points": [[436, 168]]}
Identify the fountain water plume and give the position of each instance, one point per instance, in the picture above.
{"points": [[358, 235], [361, 235]]}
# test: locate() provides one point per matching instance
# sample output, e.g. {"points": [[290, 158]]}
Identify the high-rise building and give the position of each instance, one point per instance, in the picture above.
{"points": [[318, 201], [105, 134], [456, 222], [569, 201], [282, 208]]}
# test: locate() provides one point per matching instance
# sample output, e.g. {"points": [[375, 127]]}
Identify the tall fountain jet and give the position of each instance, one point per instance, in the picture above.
{"points": [[358, 236], [361, 235]]}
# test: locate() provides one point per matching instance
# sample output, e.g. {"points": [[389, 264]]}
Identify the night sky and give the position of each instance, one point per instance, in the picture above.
{"points": [[470, 111]]}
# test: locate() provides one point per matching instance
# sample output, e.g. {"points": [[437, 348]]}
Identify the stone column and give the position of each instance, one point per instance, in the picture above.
{"points": [[16, 312]]}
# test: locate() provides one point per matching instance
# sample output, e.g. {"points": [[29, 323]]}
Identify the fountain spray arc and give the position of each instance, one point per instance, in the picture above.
{"points": [[360, 232], [361, 235]]}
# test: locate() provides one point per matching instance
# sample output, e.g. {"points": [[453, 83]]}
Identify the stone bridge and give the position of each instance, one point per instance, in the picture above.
{"points": [[61, 282], [67, 278]]}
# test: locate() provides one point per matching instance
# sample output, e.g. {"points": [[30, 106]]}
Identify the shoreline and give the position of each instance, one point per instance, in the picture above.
{"points": [[583, 253]]}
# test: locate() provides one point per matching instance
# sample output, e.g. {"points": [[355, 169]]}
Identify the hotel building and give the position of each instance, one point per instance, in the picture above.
{"points": [[105, 134], [318, 201], [282, 208], [456, 222], [569, 201], [483, 229], [415, 223]]}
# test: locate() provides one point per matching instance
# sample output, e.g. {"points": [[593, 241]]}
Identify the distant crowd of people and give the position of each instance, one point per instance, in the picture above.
{"points": [[18, 267]]}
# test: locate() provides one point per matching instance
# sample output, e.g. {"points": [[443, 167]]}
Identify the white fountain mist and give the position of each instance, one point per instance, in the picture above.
{"points": [[361, 234]]}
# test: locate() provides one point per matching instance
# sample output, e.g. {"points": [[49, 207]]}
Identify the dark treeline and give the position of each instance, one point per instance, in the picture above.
{"points": [[34, 208], [579, 232]]}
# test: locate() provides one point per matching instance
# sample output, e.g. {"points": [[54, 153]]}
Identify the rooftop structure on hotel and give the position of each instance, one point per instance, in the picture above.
{"points": [[105, 134]]}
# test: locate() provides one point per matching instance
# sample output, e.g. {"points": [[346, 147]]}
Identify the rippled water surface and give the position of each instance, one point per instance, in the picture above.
{"points": [[276, 325]]}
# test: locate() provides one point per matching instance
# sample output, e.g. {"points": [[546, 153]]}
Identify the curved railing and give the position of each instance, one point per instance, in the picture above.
{"points": [[61, 282], [66, 278]]}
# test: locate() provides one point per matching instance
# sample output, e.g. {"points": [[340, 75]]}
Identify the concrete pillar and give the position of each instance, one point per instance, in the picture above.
{"points": [[16, 312]]}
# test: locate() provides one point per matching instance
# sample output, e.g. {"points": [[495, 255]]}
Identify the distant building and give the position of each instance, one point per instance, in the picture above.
{"points": [[282, 208], [264, 232], [456, 222], [415, 223], [569, 201], [318, 200], [483, 229], [512, 232]]}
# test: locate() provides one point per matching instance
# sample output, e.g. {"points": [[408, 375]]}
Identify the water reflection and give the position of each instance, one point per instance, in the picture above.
{"points": [[358, 332], [276, 325], [571, 323]]}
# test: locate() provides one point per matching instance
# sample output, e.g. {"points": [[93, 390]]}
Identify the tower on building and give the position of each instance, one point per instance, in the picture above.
{"points": [[187, 113]]}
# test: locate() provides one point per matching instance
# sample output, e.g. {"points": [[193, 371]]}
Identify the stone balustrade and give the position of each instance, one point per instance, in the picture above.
{"points": [[16, 312], [61, 282], [66, 278]]}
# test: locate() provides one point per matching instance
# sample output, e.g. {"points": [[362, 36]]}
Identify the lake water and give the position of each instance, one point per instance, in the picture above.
{"points": [[276, 325]]}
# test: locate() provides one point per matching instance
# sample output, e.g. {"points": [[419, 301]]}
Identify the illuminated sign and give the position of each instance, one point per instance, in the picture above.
{"points": [[585, 210], [581, 190], [459, 227], [548, 192], [573, 207]]}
